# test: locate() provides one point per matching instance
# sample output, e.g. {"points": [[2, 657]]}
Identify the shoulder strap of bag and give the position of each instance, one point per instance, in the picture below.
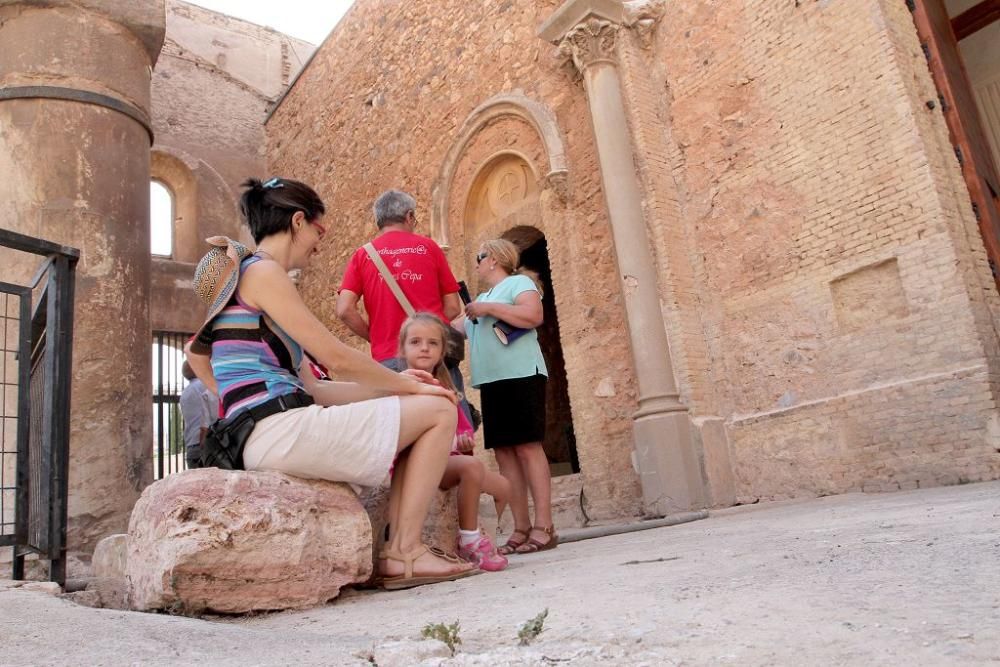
{"points": [[389, 280]]}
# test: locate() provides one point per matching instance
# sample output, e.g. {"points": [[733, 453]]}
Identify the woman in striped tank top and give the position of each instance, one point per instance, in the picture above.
{"points": [[250, 353]]}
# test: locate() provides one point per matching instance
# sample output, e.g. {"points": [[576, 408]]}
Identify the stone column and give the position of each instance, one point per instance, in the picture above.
{"points": [[74, 153], [587, 31]]}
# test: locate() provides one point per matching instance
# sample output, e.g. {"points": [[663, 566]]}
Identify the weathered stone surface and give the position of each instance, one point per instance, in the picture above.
{"points": [[86, 598], [49, 587], [406, 653], [108, 569], [235, 542]]}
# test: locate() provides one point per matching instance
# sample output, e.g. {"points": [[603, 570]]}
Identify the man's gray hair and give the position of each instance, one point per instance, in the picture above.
{"points": [[392, 206]]}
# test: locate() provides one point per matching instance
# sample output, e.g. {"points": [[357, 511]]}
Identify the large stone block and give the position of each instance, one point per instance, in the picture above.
{"points": [[108, 569], [233, 542]]}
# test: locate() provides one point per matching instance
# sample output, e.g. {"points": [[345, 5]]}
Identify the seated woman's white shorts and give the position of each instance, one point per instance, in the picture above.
{"points": [[354, 443]]}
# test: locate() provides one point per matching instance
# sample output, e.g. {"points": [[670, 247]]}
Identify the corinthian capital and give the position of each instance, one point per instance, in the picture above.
{"points": [[590, 42]]}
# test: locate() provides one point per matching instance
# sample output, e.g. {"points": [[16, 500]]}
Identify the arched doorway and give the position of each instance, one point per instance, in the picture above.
{"points": [[503, 201]]}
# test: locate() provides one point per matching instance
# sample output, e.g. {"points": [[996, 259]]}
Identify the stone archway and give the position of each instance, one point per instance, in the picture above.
{"points": [[514, 105]]}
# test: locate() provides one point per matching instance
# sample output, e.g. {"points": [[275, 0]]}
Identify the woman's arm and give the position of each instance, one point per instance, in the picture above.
{"points": [[266, 286], [201, 364], [526, 311], [326, 392]]}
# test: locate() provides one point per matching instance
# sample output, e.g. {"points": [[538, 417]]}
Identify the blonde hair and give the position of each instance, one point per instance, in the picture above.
{"points": [[430, 319], [508, 257]]}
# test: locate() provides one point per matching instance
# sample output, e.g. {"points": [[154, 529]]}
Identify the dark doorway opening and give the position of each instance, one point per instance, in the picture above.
{"points": [[560, 438]]}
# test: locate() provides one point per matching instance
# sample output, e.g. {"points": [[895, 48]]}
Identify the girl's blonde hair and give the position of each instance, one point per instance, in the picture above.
{"points": [[432, 320], [508, 257]]}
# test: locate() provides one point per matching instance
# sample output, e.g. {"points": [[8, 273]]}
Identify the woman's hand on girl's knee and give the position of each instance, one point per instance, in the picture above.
{"points": [[436, 390], [422, 376]]}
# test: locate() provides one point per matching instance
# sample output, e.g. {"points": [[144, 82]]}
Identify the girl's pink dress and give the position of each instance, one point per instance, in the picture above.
{"points": [[464, 427]]}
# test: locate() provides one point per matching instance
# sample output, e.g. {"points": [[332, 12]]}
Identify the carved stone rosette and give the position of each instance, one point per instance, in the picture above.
{"points": [[590, 42]]}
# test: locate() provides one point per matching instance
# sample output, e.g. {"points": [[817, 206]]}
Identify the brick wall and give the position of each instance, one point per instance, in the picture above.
{"points": [[846, 299]]}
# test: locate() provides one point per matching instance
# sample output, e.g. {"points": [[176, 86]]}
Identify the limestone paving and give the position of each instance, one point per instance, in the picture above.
{"points": [[856, 579]]}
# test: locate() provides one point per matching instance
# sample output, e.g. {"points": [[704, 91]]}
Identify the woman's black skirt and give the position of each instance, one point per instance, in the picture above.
{"points": [[513, 411]]}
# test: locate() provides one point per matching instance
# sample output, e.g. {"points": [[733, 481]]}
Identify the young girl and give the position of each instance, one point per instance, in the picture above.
{"points": [[422, 341]]}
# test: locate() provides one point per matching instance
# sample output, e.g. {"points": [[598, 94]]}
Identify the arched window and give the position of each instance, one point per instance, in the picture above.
{"points": [[161, 219]]}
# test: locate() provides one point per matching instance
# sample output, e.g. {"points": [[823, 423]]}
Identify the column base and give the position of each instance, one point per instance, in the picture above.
{"points": [[667, 463]]}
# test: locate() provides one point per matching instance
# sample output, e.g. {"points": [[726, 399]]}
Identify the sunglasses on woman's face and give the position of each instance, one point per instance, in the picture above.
{"points": [[480, 257]]}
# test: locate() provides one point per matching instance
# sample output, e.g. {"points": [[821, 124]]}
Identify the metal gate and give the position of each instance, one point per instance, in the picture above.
{"points": [[168, 383], [35, 374]]}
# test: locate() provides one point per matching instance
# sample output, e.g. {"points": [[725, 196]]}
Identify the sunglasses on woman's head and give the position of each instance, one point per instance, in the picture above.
{"points": [[480, 257]]}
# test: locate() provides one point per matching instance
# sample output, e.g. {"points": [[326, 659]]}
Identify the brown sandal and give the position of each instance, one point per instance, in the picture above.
{"points": [[534, 546], [409, 580], [511, 546]]}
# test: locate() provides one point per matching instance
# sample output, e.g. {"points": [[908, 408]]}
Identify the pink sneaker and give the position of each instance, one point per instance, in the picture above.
{"points": [[484, 554]]}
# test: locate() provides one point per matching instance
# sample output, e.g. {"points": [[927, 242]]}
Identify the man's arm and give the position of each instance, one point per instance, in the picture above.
{"points": [[452, 305], [347, 311]]}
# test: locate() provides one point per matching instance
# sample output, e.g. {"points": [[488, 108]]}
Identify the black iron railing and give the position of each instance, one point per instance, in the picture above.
{"points": [[35, 373], [168, 383]]}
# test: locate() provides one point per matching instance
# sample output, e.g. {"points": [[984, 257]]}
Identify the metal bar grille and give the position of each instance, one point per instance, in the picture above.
{"points": [[36, 334], [168, 383], [14, 315]]}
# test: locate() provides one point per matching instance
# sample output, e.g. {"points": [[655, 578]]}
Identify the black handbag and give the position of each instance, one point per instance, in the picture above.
{"points": [[224, 443], [225, 440]]}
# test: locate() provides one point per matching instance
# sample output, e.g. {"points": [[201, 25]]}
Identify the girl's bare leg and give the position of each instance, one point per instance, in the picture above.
{"points": [[497, 486], [467, 473]]}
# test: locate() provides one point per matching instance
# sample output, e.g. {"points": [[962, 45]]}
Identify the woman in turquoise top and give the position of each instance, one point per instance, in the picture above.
{"points": [[511, 379]]}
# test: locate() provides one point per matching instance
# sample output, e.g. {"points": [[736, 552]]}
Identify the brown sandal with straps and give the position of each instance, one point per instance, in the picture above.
{"points": [[511, 546], [409, 580], [534, 546]]}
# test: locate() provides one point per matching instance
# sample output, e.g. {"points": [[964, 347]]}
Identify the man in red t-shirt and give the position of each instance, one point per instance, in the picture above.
{"points": [[417, 264]]}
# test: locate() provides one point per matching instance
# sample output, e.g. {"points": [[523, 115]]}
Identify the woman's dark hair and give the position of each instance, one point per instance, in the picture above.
{"points": [[268, 207]]}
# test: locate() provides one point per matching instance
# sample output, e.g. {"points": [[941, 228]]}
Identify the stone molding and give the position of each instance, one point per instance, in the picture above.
{"points": [[146, 19], [587, 31], [80, 94], [590, 43], [505, 105]]}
